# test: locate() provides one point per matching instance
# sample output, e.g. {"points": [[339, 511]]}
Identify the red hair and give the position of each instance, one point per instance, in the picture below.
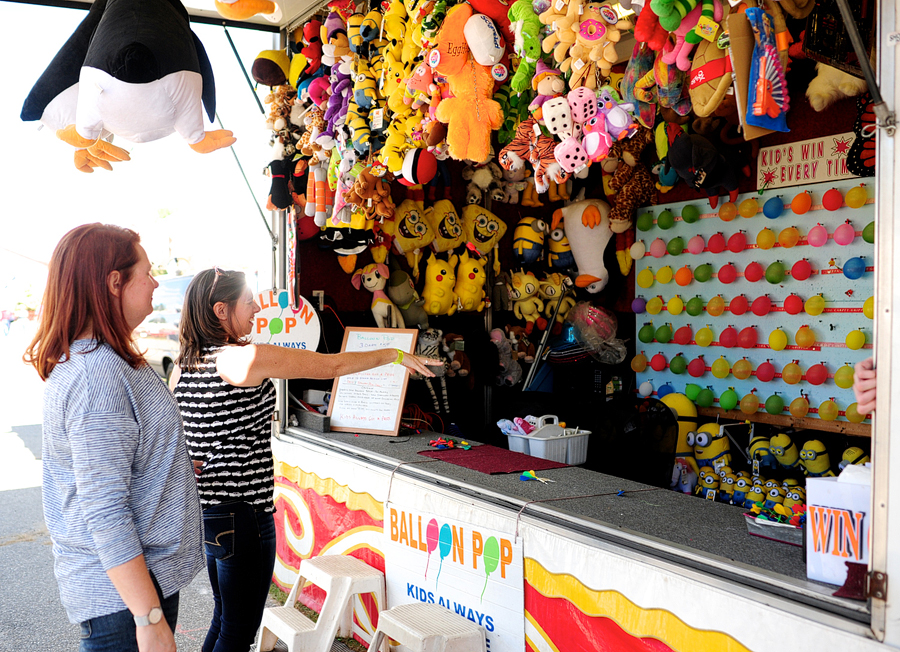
{"points": [[77, 298]]}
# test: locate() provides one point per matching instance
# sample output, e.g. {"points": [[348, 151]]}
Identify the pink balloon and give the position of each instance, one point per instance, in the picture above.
{"points": [[765, 372], [658, 248], [844, 234], [817, 236], [727, 274], [801, 270], [696, 245]]}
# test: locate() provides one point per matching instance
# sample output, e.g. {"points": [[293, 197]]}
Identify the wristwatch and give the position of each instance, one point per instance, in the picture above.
{"points": [[151, 618]]}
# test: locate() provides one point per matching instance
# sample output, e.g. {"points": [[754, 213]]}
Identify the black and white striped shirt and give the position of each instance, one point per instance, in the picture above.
{"points": [[229, 429]]}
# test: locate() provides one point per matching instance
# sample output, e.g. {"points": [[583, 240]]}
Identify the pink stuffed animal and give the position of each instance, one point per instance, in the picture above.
{"points": [[596, 141], [374, 278], [686, 37], [419, 87]]}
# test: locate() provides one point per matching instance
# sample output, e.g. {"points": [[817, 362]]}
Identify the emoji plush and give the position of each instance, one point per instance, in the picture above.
{"points": [[132, 69], [484, 230]]}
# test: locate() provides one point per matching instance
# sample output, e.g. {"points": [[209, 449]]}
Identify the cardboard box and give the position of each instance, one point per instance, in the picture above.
{"points": [[837, 525]]}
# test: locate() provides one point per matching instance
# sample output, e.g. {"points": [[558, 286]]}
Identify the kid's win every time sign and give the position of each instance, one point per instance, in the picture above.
{"points": [[473, 571], [371, 401], [284, 325]]}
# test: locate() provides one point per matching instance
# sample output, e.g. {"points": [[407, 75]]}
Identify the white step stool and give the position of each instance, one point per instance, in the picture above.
{"points": [[428, 628], [341, 577]]}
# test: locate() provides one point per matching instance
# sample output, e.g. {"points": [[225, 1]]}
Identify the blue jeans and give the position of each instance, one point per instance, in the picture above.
{"points": [[117, 632], [240, 558]]}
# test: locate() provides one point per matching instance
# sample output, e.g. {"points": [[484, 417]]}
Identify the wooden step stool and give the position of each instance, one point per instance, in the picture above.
{"points": [[428, 628], [341, 577]]}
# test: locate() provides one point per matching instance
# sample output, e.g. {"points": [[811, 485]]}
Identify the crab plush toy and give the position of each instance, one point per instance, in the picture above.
{"points": [[133, 69]]}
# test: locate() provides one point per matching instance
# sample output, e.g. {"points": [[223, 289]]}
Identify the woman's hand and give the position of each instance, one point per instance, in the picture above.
{"points": [[864, 385], [156, 638], [420, 365]]}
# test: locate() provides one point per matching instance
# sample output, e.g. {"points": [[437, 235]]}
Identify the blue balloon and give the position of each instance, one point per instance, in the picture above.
{"points": [[283, 299], [665, 389], [773, 208], [854, 268], [445, 540]]}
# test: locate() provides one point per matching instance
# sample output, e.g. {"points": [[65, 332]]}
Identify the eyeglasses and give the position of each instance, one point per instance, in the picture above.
{"points": [[212, 288]]}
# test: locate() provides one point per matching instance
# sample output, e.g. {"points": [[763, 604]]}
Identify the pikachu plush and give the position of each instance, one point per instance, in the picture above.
{"points": [[470, 277], [440, 279]]}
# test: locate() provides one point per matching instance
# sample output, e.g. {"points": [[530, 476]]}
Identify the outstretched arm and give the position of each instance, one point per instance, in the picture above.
{"points": [[248, 366]]}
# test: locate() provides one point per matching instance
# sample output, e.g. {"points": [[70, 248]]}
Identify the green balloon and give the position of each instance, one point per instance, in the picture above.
{"points": [[690, 214], [666, 220], [703, 273], [645, 222], [692, 390], [774, 404], [275, 325], [869, 233], [675, 246], [491, 555], [728, 400], [664, 334], [645, 335], [775, 272], [705, 398], [694, 306], [678, 365]]}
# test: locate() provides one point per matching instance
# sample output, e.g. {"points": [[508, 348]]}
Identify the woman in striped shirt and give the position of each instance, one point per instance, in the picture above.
{"points": [[119, 494], [223, 387]]}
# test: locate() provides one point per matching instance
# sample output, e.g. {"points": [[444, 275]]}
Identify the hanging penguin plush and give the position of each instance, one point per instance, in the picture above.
{"points": [[133, 69]]}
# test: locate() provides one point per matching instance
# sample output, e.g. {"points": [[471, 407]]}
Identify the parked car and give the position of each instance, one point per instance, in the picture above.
{"points": [[158, 334]]}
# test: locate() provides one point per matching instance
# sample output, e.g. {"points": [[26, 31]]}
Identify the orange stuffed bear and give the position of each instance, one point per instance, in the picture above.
{"points": [[468, 131]]}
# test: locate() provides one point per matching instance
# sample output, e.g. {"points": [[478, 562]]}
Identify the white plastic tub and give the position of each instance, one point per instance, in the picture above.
{"points": [[577, 446], [518, 443], [549, 442]]}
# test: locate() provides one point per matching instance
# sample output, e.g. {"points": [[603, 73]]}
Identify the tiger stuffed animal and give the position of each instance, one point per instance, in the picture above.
{"points": [[527, 145]]}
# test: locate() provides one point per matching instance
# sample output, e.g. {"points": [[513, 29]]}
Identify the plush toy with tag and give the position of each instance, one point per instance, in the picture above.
{"points": [[691, 31], [372, 194], [440, 279], [538, 150], [484, 230], [526, 27], [523, 289], [547, 83], [471, 114], [594, 45], [133, 69]]}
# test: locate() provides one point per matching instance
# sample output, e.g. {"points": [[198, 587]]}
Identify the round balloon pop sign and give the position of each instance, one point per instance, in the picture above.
{"points": [[279, 323]]}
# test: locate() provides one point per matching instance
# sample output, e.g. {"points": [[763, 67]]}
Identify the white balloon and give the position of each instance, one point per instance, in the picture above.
{"points": [[638, 249], [646, 388]]}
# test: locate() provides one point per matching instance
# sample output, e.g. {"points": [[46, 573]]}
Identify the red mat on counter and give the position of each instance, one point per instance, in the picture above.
{"points": [[492, 460]]}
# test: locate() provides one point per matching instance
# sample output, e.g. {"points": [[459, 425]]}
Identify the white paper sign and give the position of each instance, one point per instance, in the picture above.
{"points": [[472, 571], [806, 161]]}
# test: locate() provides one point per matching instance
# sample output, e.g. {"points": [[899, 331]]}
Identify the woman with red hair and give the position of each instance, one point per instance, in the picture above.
{"points": [[120, 499]]}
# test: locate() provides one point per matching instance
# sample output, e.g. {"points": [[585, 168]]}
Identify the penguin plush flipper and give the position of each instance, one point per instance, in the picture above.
{"points": [[209, 83], [64, 70]]}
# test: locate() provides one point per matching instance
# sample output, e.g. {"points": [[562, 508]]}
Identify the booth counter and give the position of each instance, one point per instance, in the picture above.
{"points": [[605, 563]]}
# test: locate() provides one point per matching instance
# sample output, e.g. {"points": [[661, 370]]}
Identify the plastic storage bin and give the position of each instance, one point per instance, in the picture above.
{"points": [[518, 443], [577, 445], [549, 441]]}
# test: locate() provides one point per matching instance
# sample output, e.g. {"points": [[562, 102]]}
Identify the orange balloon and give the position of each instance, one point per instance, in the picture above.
{"points": [[728, 211], [748, 208], [684, 276], [749, 404], [716, 306], [742, 369], [791, 373], [805, 337], [789, 237], [801, 203]]}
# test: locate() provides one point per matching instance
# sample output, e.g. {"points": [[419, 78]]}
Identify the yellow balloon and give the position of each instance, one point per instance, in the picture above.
{"points": [[815, 305], [704, 336], [716, 306], [675, 305], [664, 275], [852, 415], [742, 369], [828, 411], [791, 373], [748, 208], [843, 377], [654, 306], [766, 239], [856, 197], [855, 340], [869, 308], [645, 278], [749, 404], [799, 407], [720, 368], [805, 337], [778, 340]]}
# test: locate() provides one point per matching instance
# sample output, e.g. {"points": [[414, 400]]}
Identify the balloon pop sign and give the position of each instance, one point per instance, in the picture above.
{"points": [[283, 325], [472, 570]]}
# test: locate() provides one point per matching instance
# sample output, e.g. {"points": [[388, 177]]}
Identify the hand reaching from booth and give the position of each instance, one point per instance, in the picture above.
{"points": [[417, 364], [864, 385]]}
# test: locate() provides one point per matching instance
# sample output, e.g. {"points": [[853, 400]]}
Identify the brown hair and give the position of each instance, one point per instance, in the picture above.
{"points": [[77, 298], [200, 327]]}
